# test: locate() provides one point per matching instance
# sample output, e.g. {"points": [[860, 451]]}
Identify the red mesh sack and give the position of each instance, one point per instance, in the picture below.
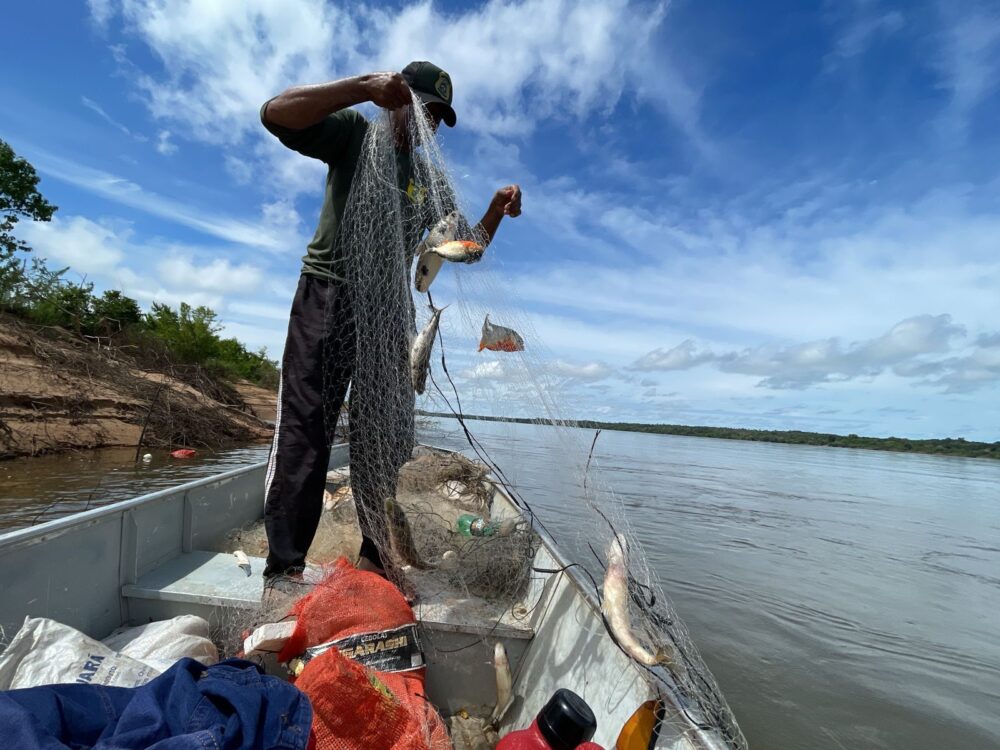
{"points": [[356, 707], [346, 602]]}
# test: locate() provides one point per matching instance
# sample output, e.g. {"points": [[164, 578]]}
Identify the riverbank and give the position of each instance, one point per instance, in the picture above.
{"points": [[61, 392], [938, 447]]}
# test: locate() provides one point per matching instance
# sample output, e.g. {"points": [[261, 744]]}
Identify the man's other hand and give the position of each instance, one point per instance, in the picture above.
{"points": [[388, 90], [508, 200]]}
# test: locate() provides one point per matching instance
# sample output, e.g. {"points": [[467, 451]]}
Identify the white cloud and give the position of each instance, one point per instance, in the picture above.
{"points": [[977, 369], [239, 169], [559, 372], [110, 254], [968, 61], [827, 360], [88, 247], [258, 310], [583, 371], [101, 11], [684, 356], [492, 370], [513, 61], [867, 23], [281, 213], [267, 234], [222, 60], [254, 337], [164, 145], [731, 276], [95, 107], [906, 350], [218, 276]]}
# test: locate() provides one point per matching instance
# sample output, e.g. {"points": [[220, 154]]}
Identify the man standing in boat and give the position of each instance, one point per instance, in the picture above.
{"points": [[317, 121]]}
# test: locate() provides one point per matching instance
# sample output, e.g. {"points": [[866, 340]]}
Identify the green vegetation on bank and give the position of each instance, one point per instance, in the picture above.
{"points": [[161, 338], [943, 447]]}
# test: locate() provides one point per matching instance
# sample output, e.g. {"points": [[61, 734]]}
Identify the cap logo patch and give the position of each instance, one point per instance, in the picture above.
{"points": [[443, 86]]}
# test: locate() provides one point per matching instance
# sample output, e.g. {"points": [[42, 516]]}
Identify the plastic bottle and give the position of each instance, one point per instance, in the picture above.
{"points": [[470, 525], [564, 723]]}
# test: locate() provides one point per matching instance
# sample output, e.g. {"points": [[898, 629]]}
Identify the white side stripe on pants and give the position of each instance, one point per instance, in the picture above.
{"points": [[272, 459]]}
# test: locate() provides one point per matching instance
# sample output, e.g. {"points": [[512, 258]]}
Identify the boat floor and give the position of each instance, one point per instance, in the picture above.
{"points": [[472, 596], [464, 605]]}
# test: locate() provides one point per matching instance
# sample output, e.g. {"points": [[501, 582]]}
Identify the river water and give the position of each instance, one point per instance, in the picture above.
{"points": [[842, 598], [35, 490]]}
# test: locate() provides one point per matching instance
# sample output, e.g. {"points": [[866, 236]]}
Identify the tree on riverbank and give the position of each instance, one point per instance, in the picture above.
{"points": [[19, 199], [163, 337]]}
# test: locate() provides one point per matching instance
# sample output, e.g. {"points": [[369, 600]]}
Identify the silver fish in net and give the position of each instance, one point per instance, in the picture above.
{"points": [[420, 353]]}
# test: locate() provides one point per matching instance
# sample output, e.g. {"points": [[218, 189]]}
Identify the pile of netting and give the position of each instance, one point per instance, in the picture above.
{"points": [[411, 501]]}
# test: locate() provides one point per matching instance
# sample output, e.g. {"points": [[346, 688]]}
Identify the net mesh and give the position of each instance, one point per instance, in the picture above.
{"points": [[410, 501]]}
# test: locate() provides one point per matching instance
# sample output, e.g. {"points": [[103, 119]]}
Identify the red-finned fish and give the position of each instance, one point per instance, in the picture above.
{"points": [[499, 338], [420, 352], [183, 453], [459, 251], [614, 606], [428, 263]]}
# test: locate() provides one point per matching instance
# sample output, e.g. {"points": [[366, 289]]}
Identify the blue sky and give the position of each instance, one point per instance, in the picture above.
{"points": [[778, 215]]}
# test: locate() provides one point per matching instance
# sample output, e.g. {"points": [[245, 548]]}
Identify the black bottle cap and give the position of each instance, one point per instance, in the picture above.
{"points": [[566, 720]]}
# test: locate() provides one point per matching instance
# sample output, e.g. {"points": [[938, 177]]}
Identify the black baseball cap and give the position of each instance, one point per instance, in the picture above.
{"points": [[431, 84]]}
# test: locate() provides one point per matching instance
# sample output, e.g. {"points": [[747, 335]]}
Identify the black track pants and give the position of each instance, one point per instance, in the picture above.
{"points": [[315, 372]]}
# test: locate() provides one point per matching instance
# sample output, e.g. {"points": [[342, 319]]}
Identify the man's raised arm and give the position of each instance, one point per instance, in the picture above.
{"points": [[302, 106], [506, 202]]}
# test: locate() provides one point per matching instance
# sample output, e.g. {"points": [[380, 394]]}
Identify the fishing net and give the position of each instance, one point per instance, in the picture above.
{"points": [[420, 507]]}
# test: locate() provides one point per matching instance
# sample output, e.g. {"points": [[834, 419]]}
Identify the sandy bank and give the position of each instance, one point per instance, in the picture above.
{"points": [[59, 392]]}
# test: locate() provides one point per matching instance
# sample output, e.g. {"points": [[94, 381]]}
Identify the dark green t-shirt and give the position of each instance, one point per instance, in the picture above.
{"points": [[337, 141]]}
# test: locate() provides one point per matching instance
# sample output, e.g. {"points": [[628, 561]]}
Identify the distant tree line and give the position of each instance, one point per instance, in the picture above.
{"points": [[32, 291], [942, 446]]}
